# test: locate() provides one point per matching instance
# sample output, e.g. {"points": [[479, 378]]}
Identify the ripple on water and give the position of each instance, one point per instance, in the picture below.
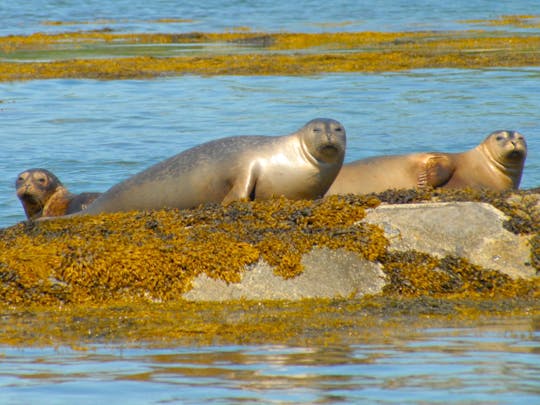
{"points": [[484, 363]]}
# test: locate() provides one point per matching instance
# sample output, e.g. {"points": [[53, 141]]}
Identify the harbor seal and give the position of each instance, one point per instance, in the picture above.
{"points": [[495, 164], [301, 165], [43, 195]]}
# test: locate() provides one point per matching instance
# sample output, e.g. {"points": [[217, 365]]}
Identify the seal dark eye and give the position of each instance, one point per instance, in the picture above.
{"points": [[499, 137], [316, 129], [41, 180], [338, 129]]}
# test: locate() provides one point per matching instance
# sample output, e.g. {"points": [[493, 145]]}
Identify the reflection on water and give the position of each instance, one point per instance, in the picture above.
{"points": [[93, 134], [457, 365]]}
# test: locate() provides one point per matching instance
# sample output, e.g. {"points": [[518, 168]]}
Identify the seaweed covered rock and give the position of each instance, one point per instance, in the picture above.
{"points": [[156, 255], [281, 249]]}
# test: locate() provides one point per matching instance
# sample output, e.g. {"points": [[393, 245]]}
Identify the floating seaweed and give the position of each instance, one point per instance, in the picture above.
{"points": [[268, 54]]}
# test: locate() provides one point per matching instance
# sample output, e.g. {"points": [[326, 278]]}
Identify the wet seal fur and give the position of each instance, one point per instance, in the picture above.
{"points": [[42, 194], [495, 164], [301, 165]]}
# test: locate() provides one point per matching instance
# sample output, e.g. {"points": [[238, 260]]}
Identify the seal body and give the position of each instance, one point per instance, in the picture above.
{"points": [[42, 194], [301, 165], [495, 164]]}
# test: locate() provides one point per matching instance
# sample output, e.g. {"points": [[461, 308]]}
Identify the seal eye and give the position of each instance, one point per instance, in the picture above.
{"points": [[499, 137], [42, 180], [338, 129]]}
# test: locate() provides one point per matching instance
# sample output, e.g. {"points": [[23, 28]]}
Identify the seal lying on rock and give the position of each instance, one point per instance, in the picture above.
{"points": [[43, 195], [495, 164], [301, 165]]}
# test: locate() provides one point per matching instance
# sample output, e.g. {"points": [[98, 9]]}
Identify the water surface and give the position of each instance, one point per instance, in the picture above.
{"points": [[267, 15], [93, 134], [497, 362]]}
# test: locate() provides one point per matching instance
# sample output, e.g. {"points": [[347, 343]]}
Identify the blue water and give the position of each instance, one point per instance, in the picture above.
{"points": [[93, 134], [258, 15], [437, 366]]}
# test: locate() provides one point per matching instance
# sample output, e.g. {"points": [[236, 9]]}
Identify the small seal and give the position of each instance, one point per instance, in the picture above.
{"points": [[301, 165], [495, 164], [43, 195]]}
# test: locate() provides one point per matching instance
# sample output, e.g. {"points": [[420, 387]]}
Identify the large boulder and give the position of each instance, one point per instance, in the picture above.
{"points": [[470, 230]]}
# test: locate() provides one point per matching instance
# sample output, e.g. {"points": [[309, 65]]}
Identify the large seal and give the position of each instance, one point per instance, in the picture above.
{"points": [[495, 164], [43, 195], [301, 165]]}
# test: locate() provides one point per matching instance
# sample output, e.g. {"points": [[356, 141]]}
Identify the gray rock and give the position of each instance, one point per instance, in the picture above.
{"points": [[469, 230], [327, 274]]}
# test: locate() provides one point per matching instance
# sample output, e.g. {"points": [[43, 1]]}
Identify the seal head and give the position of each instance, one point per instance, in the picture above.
{"points": [[35, 187], [506, 151], [42, 194], [324, 140]]}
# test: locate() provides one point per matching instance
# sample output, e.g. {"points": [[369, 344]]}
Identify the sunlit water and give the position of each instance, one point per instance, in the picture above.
{"points": [[266, 15], [93, 134], [488, 364]]}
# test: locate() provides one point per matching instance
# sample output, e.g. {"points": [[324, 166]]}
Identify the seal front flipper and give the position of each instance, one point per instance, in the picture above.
{"points": [[244, 186], [436, 171]]}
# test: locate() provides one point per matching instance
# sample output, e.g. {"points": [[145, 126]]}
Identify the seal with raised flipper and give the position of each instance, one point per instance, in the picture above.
{"points": [[495, 164], [42, 194], [301, 165]]}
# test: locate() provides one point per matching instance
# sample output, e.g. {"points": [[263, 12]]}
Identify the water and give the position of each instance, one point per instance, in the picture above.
{"points": [[463, 365], [265, 15], [93, 134]]}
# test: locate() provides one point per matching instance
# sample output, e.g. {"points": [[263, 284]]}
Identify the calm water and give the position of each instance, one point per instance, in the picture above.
{"points": [[482, 365], [93, 134], [258, 15]]}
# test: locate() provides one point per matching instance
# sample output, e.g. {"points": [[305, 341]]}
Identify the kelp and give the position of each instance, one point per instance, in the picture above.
{"points": [[248, 53]]}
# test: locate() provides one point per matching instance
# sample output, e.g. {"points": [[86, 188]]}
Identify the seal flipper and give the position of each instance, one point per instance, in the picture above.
{"points": [[244, 187], [58, 203], [436, 171]]}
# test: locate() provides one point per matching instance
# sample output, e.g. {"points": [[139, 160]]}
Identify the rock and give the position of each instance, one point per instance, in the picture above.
{"points": [[470, 230], [327, 274]]}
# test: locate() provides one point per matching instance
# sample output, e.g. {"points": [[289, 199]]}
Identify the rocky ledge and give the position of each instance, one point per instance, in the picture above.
{"points": [[474, 231], [401, 243]]}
